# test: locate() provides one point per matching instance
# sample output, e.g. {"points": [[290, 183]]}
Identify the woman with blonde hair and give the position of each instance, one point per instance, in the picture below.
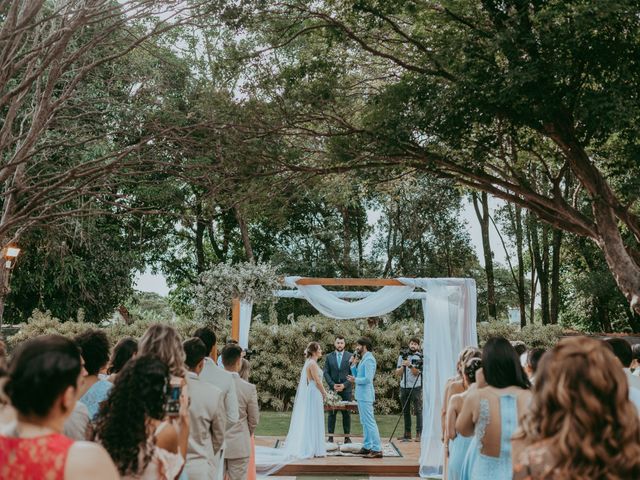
{"points": [[164, 342], [581, 423]]}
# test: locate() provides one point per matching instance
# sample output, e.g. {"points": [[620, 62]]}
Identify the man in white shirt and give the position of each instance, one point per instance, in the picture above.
{"points": [[217, 376], [208, 418], [622, 349]]}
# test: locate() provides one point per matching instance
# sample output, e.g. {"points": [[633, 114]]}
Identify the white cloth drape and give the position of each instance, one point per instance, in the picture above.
{"points": [[449, 326], [246, 307]]}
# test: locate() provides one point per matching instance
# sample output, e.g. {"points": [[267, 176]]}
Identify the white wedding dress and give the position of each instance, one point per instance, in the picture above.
{"points": [[306, 429]]}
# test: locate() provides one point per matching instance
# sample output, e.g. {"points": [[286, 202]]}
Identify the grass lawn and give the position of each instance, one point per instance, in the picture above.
{"points": [[276, 424]]}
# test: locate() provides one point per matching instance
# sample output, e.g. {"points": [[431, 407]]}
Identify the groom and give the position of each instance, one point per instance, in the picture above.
{"points": [[363, 369]]}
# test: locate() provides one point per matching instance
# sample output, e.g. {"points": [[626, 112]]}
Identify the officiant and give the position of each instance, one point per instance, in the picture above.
{"points": [[336, 370]]}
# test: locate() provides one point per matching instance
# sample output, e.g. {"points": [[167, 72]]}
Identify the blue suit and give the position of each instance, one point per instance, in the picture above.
{"points": [[365, 396]]}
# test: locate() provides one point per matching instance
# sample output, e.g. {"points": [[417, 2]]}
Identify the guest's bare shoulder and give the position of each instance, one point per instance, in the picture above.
{"points": [[89, 460]]}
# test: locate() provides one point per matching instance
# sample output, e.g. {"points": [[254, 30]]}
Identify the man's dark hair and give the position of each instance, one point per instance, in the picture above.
{"points": [[635, 349], [414, 340], [207, 336], [94, 345], [230, 354], [40, 371], [366, 342], [621, 349], [519, 346], [339, 337], [124, 350], [501, 364], [533, 358], [195, 351]]}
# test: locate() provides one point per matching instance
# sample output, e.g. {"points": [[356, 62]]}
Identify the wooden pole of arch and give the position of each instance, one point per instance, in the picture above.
{"points": [[329, 282]]}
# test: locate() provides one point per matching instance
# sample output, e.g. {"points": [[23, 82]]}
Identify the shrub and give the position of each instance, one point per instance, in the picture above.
{"points": [[535, 335]]}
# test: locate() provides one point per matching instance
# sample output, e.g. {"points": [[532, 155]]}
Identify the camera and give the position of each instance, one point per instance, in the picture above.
{"points": [[415, 358], [405, 353], [249, 353]]}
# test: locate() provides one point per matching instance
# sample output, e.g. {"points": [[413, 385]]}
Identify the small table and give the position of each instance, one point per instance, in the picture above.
{"points": [[348, 406]]}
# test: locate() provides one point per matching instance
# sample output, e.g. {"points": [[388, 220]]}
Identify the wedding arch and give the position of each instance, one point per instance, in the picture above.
{"points": [[449, 309]]}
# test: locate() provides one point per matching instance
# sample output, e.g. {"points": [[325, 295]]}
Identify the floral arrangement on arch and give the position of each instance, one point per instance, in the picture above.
{"points": [[218, 286]]}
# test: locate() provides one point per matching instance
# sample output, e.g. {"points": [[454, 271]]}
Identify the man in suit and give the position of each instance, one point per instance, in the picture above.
{"points": [[336, 370], [622, 349], [208, 419], [217, 376], [363, 369], [238, 436]]}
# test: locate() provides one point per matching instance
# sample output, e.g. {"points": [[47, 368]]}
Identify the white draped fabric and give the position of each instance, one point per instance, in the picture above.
{"points": [[246, 307], [449, 308]]}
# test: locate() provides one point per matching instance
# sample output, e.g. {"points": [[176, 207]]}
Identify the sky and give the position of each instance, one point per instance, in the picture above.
{"points": [[149, 282]]}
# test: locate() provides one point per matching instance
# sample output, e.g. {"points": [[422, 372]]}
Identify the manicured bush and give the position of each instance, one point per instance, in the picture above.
{"points": [[536, 335]]}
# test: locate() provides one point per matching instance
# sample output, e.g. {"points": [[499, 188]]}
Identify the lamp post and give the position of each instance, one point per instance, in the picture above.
{"points": [[10, 255]]}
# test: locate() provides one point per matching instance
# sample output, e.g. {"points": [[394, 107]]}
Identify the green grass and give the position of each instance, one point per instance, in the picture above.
{"points": [[276, 424]]}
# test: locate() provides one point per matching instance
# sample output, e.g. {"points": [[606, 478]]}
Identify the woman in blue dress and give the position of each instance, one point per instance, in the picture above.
{"points": [[459, 444], [492, 414]]}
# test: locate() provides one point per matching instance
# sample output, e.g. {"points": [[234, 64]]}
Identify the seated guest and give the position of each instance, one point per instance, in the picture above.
{"points": [[459, 444], [217, 376], [635, 363], [95, 352], [533, 359], [580, 424], [492, 414], [77, 426], [124, 350], [622, 350], [42, 387], [208, 420], [131, 423], [238, 438], [164, 342]]}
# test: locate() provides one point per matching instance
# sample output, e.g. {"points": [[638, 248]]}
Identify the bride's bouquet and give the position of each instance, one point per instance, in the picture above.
{"points": [[332, 399]]}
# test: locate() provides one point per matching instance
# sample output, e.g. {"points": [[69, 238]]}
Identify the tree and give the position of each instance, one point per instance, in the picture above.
{"points": [[482, 212], [444, 82]]}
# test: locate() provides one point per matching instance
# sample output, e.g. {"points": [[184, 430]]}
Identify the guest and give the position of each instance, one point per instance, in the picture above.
{"points": [[238, 451], [42, 387], [455, 385], [164, 342], [580, 423], [124, 350], [337, 367], [78, 425], [95, 352], [520, 347], [635, 363], [622, 350], [217, 376], [533, 359], [131, 425], [207, 417], [459, 444], [492, 414], [245, 370]]}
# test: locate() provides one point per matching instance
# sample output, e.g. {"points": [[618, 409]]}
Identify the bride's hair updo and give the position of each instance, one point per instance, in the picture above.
{"points": [[312, 348]]}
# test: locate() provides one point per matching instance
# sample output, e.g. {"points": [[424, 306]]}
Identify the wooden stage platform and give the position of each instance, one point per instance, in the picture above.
{"points": [[405, 466]]}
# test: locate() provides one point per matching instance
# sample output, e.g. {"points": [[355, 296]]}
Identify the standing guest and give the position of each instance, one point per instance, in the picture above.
{"points": [[78, 425], [238, 450], [492, 414], [131, 425], [164, 342], [245, 370], [635, 363], [124, 351], [411, 387], [207, 417], [95, 352], [217, 376], [42, 387], [336, 369], [622, 350], [363, 370], [459, 444], [533, 360], [580, 423]]}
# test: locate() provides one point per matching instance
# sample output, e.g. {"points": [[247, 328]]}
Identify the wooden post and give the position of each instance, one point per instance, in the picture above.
{"points": [[235, 319]]}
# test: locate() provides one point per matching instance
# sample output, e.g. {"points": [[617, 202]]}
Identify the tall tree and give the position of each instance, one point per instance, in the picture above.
{"points": [[482, 212]]}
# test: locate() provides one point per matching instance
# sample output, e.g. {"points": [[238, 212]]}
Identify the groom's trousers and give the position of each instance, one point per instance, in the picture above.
{"points": [[369, 427]]}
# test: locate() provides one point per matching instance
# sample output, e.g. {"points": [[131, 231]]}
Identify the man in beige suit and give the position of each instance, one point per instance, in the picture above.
{"points": [[238, 438], [216, 376], [208, 418]]}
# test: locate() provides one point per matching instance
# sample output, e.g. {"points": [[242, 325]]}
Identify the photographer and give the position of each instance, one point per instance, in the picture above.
{"points": [[409, 368]]}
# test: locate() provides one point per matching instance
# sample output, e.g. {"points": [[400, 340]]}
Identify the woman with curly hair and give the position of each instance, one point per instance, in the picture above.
{"points": [[581, 424], [164, 342], [131, 426]]}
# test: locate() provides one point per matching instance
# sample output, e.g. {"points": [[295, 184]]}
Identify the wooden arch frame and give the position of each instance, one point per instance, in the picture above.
{"points": [[329, 282]]}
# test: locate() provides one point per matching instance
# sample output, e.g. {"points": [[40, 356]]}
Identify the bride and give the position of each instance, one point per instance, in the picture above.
{"points": [[306, 430]]}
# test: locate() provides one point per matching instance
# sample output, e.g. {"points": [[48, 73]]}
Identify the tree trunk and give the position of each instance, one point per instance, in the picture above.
{"points": [[540, 268], [483, 218], [359, 232], [521, 292], [201, 228], [346, 241], [244, 231], [555, 275]]}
